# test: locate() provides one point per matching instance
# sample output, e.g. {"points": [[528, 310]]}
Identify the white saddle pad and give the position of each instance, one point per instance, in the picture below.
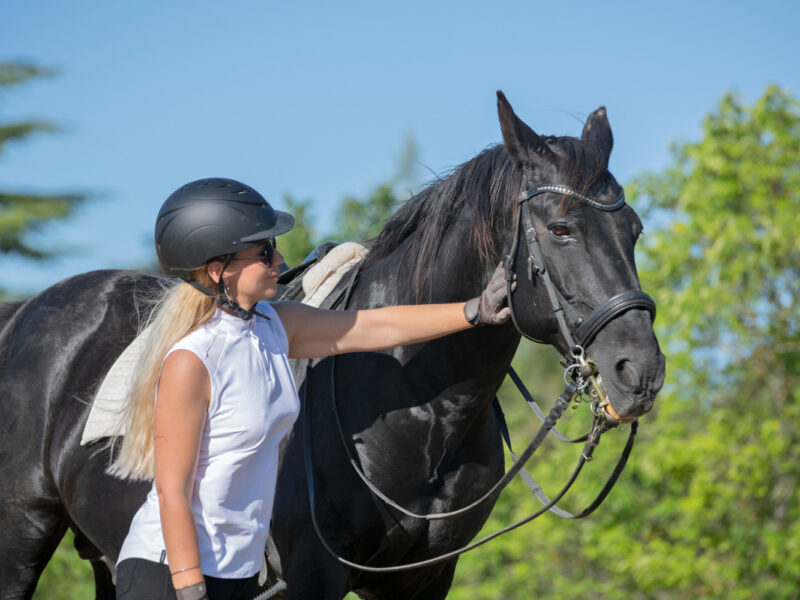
{"points": [[319, 280], [105, 416]]}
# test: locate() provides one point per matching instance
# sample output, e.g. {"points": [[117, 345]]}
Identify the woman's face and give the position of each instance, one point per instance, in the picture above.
{"points": [[248, 279]]}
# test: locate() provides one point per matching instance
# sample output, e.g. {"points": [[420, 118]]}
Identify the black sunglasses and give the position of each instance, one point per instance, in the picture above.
{"points": [[270, 245]]}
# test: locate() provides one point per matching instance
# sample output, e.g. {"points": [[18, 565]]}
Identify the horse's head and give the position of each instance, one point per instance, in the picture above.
{"points": [[573, 228]]}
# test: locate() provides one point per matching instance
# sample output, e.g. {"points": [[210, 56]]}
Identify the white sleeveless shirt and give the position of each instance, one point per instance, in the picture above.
{"points": [[253, 404]]}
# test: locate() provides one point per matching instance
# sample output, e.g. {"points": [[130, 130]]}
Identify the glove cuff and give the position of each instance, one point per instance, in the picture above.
{"points": [[472, 311], [192, 592]]}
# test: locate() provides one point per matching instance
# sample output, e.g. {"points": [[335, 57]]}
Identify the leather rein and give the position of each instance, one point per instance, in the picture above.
{"points": [[580, 375]]}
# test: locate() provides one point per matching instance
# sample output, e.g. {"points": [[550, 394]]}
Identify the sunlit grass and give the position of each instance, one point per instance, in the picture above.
{"points": [[67, 576]]}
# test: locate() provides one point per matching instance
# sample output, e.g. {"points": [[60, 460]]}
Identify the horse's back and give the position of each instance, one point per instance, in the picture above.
{"points": [[54, 350], [7, 311]]}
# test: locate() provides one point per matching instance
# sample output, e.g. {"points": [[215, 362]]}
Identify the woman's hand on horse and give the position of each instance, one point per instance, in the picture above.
{"points": [[313, 332], [491, 307]]}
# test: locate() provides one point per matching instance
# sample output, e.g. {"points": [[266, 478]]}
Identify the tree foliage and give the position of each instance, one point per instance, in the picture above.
{"points": [[302, 239], [360, 220], [23, 212]]}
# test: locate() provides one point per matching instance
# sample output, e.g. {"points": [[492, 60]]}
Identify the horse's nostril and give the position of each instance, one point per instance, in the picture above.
{"points": [[629, 375]]}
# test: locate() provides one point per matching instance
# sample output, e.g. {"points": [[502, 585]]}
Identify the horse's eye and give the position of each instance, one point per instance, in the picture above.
{"points": [[559, 230]]}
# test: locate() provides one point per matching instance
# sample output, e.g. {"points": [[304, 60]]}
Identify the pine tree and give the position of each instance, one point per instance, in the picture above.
{"points": [[23, 212]]}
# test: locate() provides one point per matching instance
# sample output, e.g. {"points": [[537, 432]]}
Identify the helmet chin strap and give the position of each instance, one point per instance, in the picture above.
{"points": [[223, 299]]}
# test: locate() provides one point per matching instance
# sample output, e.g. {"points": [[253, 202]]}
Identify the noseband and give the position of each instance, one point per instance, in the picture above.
{"points": [[583, 331]]}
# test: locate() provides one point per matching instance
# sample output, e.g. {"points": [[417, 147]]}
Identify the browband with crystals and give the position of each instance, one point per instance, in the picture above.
{"points": [[565, 191]]}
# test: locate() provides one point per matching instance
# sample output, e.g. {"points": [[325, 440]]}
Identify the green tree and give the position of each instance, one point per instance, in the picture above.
{"points": [[359, 220], [726, 267], [21, 212], [302, 239], [709, 505]]}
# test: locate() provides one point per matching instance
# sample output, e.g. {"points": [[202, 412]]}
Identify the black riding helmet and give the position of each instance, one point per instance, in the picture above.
{"points": [[211, 218]]}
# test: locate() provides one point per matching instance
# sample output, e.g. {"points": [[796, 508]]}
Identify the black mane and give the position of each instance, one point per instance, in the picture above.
{"points": [[487, 184]]}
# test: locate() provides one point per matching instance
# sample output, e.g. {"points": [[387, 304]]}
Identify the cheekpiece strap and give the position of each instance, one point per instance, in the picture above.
{"points": [[201, 288], [544, 188], [224, 302]]}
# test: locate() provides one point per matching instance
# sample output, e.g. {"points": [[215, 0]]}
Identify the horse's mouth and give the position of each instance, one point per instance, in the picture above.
{"points": [[602, 405], [621, 407], [611, 414]]}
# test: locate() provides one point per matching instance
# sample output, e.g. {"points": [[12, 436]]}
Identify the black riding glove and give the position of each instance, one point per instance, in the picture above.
{"points": [[192, 592], [490, 308]]}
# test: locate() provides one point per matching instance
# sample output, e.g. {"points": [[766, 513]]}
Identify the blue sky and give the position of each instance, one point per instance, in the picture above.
{"points": [[317, 99]]}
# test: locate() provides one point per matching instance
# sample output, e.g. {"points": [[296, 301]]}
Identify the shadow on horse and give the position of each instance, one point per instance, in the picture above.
{"points": [[417, 419]]}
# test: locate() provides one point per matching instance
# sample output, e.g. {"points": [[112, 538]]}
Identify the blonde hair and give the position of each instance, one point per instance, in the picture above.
{"points": [[177, 312]]}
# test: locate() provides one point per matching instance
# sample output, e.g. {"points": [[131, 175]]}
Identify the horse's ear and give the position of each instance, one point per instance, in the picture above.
{"points": [[521, 142], [597, 131]]}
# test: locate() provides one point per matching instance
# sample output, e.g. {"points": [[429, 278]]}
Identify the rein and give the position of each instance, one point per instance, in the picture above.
{"points": [[593, 439], [581, 370]]}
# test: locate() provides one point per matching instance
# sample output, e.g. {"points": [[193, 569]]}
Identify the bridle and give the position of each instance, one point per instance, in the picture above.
{"points": [[583, 331], [580, 374]]}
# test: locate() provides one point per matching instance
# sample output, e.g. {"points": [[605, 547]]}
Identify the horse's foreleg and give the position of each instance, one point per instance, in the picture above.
{"points": [[103, 583], [29, 534], [103, 567]]}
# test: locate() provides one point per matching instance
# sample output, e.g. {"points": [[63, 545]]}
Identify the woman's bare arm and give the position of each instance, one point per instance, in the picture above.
{"points": [[314, 332], [184, 391]]}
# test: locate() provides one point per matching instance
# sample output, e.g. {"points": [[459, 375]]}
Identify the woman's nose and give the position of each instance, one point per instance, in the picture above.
{"points": [[277, 258]]}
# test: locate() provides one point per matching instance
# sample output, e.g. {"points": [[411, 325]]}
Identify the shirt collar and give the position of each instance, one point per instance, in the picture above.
{"points": [[228, 322]]}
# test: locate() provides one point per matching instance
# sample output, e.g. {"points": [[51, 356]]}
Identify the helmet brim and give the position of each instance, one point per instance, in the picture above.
{"points": [[283, 223]]}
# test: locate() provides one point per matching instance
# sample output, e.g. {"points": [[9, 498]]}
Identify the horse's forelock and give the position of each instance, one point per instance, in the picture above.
{"points": [[583, 164], [488, 185]]}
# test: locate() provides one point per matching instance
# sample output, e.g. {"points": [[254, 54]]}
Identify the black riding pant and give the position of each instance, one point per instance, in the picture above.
{"points": [[139, 579]]}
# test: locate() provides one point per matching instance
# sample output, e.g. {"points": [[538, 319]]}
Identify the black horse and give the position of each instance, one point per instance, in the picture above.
{"points": [[417, 418]]}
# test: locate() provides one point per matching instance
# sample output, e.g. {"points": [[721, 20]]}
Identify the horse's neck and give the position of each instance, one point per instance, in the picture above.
{"points": [[475, 360], [454, 274]]}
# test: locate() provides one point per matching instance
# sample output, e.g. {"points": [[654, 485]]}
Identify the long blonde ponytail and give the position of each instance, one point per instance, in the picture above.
{"points": [[176, 313]]}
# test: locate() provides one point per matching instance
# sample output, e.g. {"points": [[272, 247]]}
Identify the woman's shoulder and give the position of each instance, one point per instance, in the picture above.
{"points": [[268, 319], [184, 362], [207, 341], [199, 336], [265, 313]]}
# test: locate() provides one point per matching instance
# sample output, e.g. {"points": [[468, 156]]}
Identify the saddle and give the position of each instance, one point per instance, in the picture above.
{"points": [[315, 278]]}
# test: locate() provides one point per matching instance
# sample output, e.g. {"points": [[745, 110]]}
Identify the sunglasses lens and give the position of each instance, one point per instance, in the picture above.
{"points": [[269, 251]]}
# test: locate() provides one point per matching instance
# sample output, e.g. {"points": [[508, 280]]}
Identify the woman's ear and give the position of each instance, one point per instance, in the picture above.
{"points": [[214, 270]]}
